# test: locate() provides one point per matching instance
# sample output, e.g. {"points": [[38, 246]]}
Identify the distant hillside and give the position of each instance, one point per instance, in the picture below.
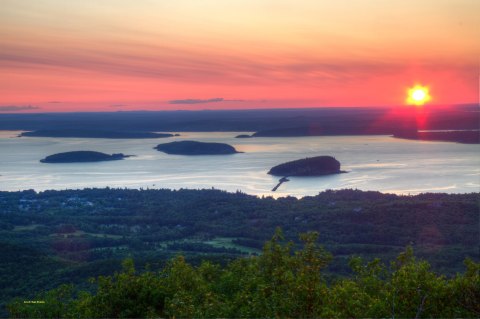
{"points": [[333, 120], [81, 156], [196, 148], [94, 134]]}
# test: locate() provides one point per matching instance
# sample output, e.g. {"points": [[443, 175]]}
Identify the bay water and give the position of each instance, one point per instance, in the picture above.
{"points": [[378, 163]]}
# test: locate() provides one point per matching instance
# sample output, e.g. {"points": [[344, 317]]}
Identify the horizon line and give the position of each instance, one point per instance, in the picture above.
{"points": [[248, 109]]}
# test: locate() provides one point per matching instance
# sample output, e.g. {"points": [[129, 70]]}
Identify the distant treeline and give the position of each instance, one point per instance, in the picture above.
{"points": [[321, 121], [466, 137], [93, 133]]}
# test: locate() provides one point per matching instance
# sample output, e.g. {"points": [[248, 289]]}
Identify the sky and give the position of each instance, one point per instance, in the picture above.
{"points": [[118, 55]]}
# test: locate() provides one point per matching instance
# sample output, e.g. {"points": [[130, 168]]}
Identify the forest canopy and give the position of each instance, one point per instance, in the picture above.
{"points": [[280, 282], [54, 237]]}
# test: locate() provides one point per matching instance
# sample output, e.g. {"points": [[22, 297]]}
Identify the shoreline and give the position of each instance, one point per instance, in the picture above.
{"points": [[267, 194]]}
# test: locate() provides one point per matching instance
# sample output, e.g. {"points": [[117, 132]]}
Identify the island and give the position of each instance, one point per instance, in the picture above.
{"points": [[287, 132], [464, 136], [335, 129], [95, 134], [243, 136], [196, 148], [82, 157], [312, 166]]}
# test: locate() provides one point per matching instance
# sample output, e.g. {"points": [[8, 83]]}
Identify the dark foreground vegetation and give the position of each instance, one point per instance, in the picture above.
{"points": [[280, 282], [82, 156], [57, 237]]}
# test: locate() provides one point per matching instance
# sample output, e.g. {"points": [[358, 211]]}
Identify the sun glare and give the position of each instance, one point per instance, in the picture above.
{"points": [[418, 95]]}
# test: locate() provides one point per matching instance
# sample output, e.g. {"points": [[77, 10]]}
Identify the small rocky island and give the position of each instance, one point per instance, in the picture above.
{"points": [[196, 148], [82, 157], [313, 166]]}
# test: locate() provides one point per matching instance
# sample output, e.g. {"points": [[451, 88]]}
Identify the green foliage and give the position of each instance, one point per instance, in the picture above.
{"points": [[56, 237], [281, 282], [55, 303], [465, 290]]}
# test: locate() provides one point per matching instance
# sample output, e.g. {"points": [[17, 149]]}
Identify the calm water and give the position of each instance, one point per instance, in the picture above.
{"points": [[377, 163]]}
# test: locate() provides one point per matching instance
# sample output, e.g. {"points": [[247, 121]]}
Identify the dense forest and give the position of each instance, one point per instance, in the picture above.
{"points": [[280, 282], [56, 237]]}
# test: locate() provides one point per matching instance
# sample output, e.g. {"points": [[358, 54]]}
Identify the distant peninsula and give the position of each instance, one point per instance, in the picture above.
{"points": [[243, 136], [196, 148], [464, 137], [95, 134], [82, 157], [286, 132], [337, 129], [312, 166]]}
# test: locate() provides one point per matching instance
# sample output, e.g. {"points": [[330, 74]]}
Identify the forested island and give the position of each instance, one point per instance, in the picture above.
{"points": [[464, 137], [324, 130], [56, 237], [312, 166], [77, 133], [196, 148], [458, 136], [82, 156]]}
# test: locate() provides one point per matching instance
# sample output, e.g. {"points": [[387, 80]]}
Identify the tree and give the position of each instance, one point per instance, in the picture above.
{"points": [[281, 282]]}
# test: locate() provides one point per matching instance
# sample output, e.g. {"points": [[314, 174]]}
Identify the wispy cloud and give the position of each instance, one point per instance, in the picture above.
{"points": [[200, 101], [196, 101], [17, 108], [164, 62], [235, 100]]}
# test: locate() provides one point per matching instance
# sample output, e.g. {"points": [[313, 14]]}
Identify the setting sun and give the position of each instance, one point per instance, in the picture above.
{"points": [[418, 95]]}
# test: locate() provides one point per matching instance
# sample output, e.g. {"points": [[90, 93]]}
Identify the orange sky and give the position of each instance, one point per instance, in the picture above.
{"points": [[110, 55]]}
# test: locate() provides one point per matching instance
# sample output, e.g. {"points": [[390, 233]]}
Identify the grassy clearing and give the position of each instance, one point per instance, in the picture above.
{"points": [[80, 233], [24, 228], [227, 243], [217, 242]]}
